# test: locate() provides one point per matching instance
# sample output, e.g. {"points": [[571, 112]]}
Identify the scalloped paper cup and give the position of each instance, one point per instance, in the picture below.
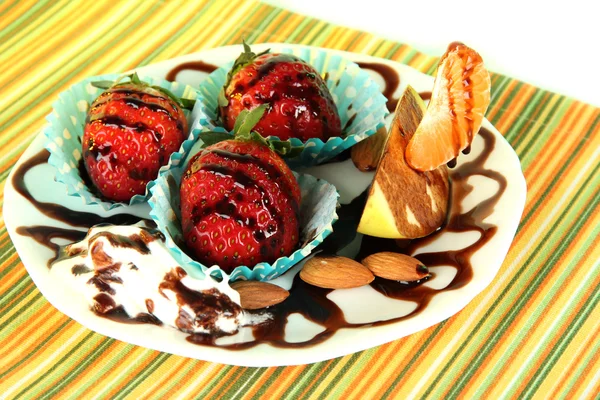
{"points": [[65, 131], [317, 215], [360, 104]]}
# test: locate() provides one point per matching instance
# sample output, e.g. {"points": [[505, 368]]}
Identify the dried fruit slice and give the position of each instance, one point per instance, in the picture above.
{"points": [[460, 97], [404, 203]]}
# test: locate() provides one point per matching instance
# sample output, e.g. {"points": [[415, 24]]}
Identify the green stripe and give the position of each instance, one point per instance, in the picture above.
{"points": [[95, 55], [55, 366], [587, 360], [559, 174], [10, 7], [553, 292], [419, 353], [150, 368], [124, 369], [31, 352], [272, 379], [496, 95], [220, 378], [27, 67], [50, 15], [177, 35], [305, 380], [24, 309], [80, 367], [167, 386], [303, 23], [540, 140], [246, 379], [523, 299], [377, 48], [39, 5], [559, 348], [14, 292], [529, 110], [235, 37], [322, 35], [350, 370], [349, 361], [265, 21], [6, 268], [357, 35], [273, 33]]}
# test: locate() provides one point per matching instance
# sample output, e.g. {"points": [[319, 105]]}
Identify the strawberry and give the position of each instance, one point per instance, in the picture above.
{"points": [[300, 104], [131, 130], [239, 201]]}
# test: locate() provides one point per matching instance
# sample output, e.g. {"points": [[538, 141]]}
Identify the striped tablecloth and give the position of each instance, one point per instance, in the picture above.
{"points": [[534, 332]]}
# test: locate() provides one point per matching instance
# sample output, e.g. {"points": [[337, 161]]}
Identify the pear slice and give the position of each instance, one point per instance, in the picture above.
{"points": [[404, 203]]}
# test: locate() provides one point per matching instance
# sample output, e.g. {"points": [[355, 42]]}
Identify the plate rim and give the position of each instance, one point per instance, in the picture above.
{"points": [[249, 359]]}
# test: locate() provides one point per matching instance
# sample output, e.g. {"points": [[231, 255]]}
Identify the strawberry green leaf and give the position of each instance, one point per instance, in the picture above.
{"points": [[103, 84], [245, 58], [221, 99], [210, 138], [247, 120], [285, 149], [183, 103]]}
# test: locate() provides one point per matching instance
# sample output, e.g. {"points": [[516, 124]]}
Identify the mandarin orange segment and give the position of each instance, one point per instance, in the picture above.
{"points": [[460, 97]]}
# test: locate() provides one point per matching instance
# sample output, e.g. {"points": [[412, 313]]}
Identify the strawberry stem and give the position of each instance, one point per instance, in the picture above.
{"points": [[245, 122], [135, 79], [245, 58]]}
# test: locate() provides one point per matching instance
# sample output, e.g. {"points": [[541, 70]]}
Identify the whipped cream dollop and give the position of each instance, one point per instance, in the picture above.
{"points": [[129, 268]]}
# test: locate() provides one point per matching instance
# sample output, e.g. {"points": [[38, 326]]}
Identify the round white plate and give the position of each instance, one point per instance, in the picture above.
{"points": [[359, 305]]}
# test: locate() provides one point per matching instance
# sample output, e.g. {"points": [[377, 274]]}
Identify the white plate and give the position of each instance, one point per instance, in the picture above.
{"points": [[370, 306]]}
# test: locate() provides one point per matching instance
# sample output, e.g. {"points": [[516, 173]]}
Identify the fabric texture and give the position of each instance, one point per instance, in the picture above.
{"points": [[533, 333]]}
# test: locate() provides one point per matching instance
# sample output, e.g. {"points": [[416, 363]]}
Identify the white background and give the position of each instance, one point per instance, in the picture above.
{"points": [[553, 45]]}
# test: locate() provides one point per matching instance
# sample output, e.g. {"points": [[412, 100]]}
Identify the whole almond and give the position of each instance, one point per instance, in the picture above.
{"points": [[255, 295], [334, 272], [396, 266]]}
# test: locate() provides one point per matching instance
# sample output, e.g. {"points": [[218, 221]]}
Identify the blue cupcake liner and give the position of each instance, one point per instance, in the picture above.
{"points": [[360, 104], [65, 131], [317, 214]]}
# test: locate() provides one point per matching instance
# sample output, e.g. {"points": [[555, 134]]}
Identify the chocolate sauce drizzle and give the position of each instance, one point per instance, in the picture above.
{"points": [[391, 78], [310, 301], [45, 234], [199, 66]]}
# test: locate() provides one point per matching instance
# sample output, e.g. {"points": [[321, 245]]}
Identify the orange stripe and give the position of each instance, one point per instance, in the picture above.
{"points": [[34, 335]]}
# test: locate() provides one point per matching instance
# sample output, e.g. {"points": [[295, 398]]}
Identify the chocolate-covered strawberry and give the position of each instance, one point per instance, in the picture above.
{"points": [[299, 102], [130, 132], [239, 202]]}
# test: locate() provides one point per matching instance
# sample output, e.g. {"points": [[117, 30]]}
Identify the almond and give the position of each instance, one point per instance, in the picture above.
{"points": [[334, 272], [396, 266], [255, 295], [366, 153]]}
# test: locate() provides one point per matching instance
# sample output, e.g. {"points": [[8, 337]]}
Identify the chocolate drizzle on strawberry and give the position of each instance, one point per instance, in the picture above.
{"points": [[300, 104], [271, 171], [228, 207], [134, 99]]}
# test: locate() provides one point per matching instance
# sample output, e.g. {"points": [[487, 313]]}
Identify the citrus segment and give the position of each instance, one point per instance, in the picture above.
{"points": [[460, 97]]}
